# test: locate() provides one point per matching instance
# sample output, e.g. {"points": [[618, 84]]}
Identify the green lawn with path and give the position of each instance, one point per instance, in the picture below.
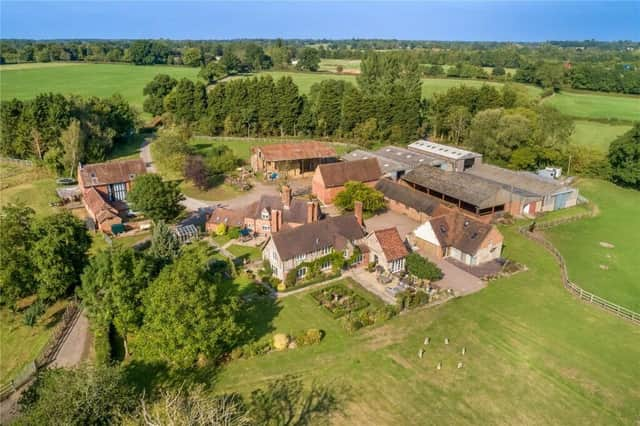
{"points": [[535, 355], [248, 252], [596, 135], [612, 273]]}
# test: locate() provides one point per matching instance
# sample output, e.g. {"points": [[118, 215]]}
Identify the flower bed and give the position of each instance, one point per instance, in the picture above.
{"points": [[339, 300]]}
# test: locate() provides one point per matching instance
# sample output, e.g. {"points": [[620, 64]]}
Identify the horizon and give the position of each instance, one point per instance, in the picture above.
{"points": [[519, 22]]}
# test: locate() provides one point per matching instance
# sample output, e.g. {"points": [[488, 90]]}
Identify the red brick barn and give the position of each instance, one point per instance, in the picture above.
{"points": [[329, 179]]}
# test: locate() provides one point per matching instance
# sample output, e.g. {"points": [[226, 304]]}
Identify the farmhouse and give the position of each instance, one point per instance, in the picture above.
{"points": [[291, 159], [329, 179], [460, 237], [268, 214], [287, 249], [104, 189], [387, 250]]}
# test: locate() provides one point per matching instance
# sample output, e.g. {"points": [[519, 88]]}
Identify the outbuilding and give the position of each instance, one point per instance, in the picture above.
{"points": [[329, 179]]}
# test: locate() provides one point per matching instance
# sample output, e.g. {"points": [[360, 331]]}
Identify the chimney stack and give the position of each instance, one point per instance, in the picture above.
{"points": [[357, 211], [312, 211], [286, 196], [276, 220]]}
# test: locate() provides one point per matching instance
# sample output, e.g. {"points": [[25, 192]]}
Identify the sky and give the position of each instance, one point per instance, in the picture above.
{"points": [[452, 20]]}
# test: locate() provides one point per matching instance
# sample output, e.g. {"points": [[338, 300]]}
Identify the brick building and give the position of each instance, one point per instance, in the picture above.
{"points": [[329, 179]]}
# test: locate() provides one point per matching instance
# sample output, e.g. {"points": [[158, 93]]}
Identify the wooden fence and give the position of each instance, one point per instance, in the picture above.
{"points": [[46, 355], [28, 163], [573, 288]]}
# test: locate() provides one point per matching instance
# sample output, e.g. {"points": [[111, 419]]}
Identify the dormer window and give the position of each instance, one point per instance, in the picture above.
{"points": [[264, 215], [132, 176]]}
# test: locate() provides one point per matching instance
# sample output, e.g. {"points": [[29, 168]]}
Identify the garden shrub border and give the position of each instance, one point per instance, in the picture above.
{"points": [[363, 302]]}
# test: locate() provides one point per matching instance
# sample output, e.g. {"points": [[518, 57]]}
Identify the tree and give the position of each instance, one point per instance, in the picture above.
{"points": [[189, 312], [192, 57], [59, 254], [624, 157], [72, 139], [458, 121], [155, 92], [422, 268], [157, 199], [230, 62], [16, 240], [85, 395], [212, 72], [498, 71], [165, 247], [112, 286], [309, 60], [196, 171], [372, 199]]}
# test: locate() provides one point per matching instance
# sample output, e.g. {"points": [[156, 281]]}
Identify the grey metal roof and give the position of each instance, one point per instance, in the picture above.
{"points": [[526, 184], [410, 158], [408, 196], [462, 186], [386, 166], [446, 151]]}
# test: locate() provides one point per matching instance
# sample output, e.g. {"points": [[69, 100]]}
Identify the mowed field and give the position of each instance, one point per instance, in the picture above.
{"points": [[101, 80], [597, 105], [534, 355], [596, 135], [609, 272]]}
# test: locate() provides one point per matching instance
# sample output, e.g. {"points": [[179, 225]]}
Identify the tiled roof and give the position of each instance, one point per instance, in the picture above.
{"points": [[391, 243], [331, 232], [227, 216], [112, 172], [460, 231], [296, 213], [337, 174], [296, 151], [98, 206]]}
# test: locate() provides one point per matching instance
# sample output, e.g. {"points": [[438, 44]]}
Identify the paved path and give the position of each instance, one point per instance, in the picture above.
{"points": [[192, 204], [76, 346]]}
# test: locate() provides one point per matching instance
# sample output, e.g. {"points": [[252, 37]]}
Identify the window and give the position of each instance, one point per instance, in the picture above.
{"points": [[301, 272], [358, 259], [397, 265], [345, 253], [117, 192], [299, 258], [326, 250], [265, 215], [266, 228], [326, 265]]}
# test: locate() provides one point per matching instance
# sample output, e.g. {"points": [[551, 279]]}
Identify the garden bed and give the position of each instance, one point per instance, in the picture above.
{"points": [[339, 300]]}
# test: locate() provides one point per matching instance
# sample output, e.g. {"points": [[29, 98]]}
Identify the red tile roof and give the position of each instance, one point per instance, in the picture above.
{"points": [[460, 231], [112, 172], [391, 243], [98, 206], [295, 151], [337, 174]]}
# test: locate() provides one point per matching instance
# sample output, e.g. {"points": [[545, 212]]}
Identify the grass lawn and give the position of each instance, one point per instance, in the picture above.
{"points": [[34, 187], [19, 343], [25, 82], [612, 273], [220, 192], [128, 150], [251, 253], [596, 135], [534, 355], [597, 105], [348, 65]]}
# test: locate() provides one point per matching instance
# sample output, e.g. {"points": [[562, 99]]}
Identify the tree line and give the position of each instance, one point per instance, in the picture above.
{"points": [[62, 131], [384, 105]]}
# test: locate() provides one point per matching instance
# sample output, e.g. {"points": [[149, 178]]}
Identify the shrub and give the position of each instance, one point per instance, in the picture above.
{"points": [[409, 299], [102, 345], [236, 353], [310, 337], [33, 312], [422, 268], [234, 232], [281, 286], [281, 341], [339, 300], [221, 229]]}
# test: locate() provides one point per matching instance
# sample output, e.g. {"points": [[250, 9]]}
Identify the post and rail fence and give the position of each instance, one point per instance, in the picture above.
{"points": [[47, 355], [572, 287]]}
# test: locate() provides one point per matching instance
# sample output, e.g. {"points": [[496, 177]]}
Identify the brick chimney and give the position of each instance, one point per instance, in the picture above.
{"points": [[311, 212], [286, 196], [357, 211], [276, 220]]}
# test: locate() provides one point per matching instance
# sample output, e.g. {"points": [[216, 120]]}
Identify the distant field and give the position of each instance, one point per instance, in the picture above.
{"points": [[612, 273], [348, 65], [596, 135], [596, 105], [25, 82], [31, 186]]}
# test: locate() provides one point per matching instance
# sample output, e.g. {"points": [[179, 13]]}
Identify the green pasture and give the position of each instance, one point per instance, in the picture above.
{"points": [[609, 272], [84, 79], [596, 135], [534, 355], [597, 105]]}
